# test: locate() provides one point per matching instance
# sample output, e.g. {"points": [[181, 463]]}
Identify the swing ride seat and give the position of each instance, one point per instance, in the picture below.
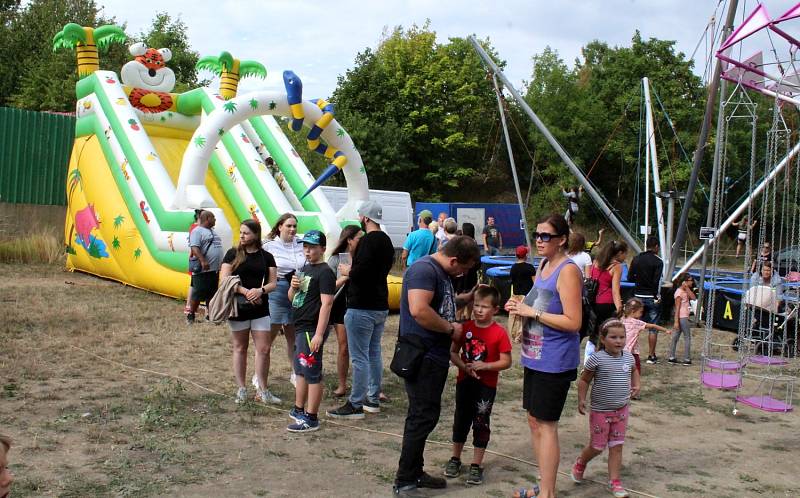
{"points": [[721, 380], [763, 397], [765, 403]]}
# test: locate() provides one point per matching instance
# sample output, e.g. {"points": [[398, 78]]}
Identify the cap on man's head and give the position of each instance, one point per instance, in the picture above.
{"points": [[314, 237], [522, 251], [425, 213], [372, 210]]}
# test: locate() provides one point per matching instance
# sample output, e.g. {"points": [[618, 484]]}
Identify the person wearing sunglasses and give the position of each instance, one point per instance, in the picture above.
{"points": [[550, 345]]}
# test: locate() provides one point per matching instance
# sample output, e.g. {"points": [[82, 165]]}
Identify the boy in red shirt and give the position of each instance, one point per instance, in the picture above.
{"points": [[484, 350]]}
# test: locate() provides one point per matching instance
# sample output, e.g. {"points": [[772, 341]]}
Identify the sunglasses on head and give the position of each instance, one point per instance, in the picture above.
{"points": [[544, 236]]}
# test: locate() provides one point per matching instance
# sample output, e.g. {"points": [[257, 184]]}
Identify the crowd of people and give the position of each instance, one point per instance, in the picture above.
{"points": [[284, 285]]}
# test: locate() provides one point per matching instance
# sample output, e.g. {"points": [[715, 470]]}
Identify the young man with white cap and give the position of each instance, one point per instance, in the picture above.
{"points": [[367, 309]]}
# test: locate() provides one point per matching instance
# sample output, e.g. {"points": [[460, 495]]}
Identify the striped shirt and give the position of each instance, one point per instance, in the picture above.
{"points": [[611, 389]]}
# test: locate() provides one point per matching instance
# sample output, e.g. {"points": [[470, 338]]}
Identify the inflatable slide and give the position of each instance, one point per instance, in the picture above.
{"points": [[144, 159]]}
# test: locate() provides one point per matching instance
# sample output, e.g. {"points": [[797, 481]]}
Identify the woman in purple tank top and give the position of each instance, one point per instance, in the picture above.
{"points": [[550, 345]]}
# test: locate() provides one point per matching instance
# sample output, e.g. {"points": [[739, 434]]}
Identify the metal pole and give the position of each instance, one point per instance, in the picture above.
{"points": [[612, 218], [511, 159], [651, 135], [701, 143], [742, 207], [648, 123], [712, 196], [670, 221]]}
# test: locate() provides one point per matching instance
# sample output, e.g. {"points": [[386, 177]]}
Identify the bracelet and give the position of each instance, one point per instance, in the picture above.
{"points": [[538, 316]]}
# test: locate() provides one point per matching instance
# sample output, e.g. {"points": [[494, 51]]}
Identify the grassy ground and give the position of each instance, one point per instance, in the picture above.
{"points": [[108, 393]]}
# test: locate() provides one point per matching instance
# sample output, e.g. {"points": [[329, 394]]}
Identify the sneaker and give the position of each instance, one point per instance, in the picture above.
{"points": [[453, 467], [577, 470], [407, 490], [428, 481], [305, 424], [475, 475], [293, 379], [189, 318], [672, 360], [372, 407], [347, 411], [686, 362], [652, 360], [267, 398], [241, 395], [616, 489], [297, 415]]}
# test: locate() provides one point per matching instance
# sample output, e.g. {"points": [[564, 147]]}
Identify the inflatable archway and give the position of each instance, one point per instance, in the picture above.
{"points": [[144, 159]]}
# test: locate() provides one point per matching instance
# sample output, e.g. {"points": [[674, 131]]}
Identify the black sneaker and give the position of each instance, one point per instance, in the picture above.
{"points": [[672, 360], [652, 360], [407, 490], [475, 475], [371, 407], [428, 481], [347, 411], [190, 318], [686, 362], [453, 467]]}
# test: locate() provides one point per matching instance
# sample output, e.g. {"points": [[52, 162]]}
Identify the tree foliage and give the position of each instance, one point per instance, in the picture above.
{"points": [[594, 108], [35, 77], [419, 112]]}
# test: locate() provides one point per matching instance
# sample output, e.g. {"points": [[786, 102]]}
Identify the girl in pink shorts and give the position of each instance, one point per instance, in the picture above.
{"points": [[615, 379]]}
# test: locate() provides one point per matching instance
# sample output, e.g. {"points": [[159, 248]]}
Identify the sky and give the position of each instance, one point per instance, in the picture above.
{"points": [[320, 40]]}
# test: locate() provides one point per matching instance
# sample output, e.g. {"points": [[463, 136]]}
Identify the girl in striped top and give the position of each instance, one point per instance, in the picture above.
{"points": [[615, 380]]}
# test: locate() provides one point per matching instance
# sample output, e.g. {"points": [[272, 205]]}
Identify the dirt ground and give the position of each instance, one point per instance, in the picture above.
{"points": [[91, 395]]}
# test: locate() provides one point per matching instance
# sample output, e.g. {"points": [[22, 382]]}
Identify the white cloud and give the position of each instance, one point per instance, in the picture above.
{"points": [[320, 40]]}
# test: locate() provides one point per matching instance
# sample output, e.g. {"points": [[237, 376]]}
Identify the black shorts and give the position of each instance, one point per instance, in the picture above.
{"points": [[544, 393], [204, 285]]}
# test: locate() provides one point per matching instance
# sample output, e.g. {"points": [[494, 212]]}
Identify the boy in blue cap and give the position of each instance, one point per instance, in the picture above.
{"points": [[311, 294]]}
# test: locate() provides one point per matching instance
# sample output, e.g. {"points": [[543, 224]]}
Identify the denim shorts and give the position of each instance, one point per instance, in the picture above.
{"points": [[280, 308], [306, 364]]}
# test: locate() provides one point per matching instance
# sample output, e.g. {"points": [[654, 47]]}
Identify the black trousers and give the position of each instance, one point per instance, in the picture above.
{"points": [[474, 401], [424, 406]]}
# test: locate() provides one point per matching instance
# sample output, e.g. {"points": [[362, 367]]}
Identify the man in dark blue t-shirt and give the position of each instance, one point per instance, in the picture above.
{"points": [[428, 310]]}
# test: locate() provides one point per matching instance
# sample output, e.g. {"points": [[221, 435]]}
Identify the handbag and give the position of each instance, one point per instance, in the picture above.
{"points": [[245, 305], [409, 352], [589, 317], [194, 264]]}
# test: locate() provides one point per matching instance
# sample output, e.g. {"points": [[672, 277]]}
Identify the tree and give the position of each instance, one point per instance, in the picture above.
{"points": [[230, 71], [420, 113], [170, 33]]}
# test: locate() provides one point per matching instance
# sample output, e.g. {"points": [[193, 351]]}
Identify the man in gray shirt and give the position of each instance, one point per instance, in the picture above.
{"points": [[204, 263]]}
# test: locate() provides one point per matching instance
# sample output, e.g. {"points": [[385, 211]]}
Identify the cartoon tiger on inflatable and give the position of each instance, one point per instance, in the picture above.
{"points": [[148, 80]]}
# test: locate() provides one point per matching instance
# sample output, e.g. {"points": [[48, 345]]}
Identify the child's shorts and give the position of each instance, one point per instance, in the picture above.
{"points": [[306, 364], [608, 428]]}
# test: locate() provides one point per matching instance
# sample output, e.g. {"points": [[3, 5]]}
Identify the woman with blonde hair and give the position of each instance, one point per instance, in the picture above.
{"points": [[283, 243]]}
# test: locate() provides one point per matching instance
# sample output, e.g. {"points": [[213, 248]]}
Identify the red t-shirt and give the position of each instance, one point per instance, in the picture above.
{"points": [[483, 344]]}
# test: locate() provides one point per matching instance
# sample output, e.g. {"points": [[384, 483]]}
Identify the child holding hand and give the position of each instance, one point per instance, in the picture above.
{"points": [[632, 312], [612, 369], [484, 350]]}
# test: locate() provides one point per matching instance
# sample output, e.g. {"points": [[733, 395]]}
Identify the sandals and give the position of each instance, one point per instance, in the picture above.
{"points": [[527, 493], [384, 398], [340, 395]]}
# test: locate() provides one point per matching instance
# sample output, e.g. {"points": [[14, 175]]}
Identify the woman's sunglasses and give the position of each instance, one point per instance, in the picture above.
{"points": [[544, 236]]}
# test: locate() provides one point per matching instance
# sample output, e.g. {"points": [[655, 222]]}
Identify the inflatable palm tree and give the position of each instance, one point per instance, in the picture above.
{"points": [[230, 70], [86, 40]]}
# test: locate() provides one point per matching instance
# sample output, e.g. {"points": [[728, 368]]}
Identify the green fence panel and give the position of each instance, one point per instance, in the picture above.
{"points": [[34, 156]]}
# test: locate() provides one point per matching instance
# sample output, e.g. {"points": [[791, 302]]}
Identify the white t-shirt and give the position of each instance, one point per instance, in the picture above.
{"points": [[582, 259], [288, 255]]}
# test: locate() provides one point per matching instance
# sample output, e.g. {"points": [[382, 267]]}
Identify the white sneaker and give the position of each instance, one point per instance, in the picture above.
{"points": [[255, 382], [241, 395], [293, 379], [267, 397]]}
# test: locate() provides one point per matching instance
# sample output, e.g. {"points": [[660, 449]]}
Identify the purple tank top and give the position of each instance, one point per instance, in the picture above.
{"points": [[543, 348]]}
